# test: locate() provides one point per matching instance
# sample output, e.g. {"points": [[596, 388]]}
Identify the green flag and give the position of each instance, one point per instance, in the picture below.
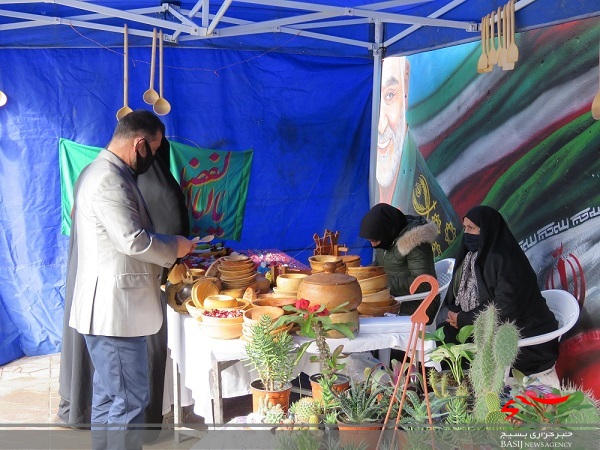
{"points": [[215, 183]]}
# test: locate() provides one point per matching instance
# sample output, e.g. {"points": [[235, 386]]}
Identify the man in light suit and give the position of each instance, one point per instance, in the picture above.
{"points": [[116, 301]]}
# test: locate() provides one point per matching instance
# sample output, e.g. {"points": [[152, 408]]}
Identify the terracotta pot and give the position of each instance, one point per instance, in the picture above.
{"points": [[330, 289], [352, 434], [275, 397], [341, 384]]}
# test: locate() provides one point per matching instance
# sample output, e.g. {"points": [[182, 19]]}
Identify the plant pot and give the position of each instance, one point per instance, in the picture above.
{"points": [[341, 384], [352, 434], [275, 397]]}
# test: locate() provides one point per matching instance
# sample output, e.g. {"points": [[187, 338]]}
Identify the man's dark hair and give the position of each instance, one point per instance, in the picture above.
{"points": [[139, 121]]}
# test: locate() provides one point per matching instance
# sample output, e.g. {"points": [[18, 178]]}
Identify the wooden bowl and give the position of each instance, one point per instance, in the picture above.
{"points": [[236, 273], [192, 310], [196, 272], [362, 272], [203, 288], [219, 321], [366, 309], [277, 292], [247, 330], [219, 301], [377, 296], [289, 281], [229, 331], [273, 300], [252, 315], [235, 293], [350, 318], [373, 284], [351, 260], [317, 261]]}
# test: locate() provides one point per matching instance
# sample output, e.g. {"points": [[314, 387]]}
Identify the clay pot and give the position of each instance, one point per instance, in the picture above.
{"points": [[275, 397], [341, 384], [330, 289]]}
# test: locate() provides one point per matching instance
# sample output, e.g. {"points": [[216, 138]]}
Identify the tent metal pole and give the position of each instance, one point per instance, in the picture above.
{"points": [[375, 102]]}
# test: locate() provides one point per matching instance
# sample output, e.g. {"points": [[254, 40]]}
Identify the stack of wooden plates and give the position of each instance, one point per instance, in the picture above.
{"points": [[237, 272]]}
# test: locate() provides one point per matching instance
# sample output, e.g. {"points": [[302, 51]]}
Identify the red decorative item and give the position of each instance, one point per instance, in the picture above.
{"points": [[567, 274]]}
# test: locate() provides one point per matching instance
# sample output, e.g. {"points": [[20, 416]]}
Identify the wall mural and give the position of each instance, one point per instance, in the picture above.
{"points": [[523, 141]]}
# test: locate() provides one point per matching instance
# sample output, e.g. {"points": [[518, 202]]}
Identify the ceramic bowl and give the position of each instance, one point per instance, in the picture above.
{"points": [[289, 281], [373, 284], [229, 331], [362, 272], [252, 315]]}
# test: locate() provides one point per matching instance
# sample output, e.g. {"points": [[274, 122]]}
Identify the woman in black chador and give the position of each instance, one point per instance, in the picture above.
{"points": [[492, 268]]}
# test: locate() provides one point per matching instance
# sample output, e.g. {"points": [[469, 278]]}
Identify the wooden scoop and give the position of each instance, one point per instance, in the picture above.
{"points": [[507, 64], [482, 63], [501, 37], [512, 53], [161, 106], [150, 96], [492, 53], [125, 109]]}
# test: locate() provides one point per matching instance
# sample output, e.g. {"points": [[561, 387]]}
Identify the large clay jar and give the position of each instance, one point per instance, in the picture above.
{"points": [[330, 289]]}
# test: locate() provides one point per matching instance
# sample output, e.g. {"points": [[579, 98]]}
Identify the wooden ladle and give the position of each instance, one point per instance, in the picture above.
{"points": [[125, 109], [482, 62], [161, 106], [512, 53], [493, 53], [596, 102], [150, 96]]}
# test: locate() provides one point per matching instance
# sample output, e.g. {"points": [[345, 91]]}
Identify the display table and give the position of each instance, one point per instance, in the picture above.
{"points": [[210, 369]]}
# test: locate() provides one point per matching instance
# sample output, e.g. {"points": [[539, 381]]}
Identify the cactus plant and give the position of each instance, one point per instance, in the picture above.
{"points": [[496, 350], [304, 408]]}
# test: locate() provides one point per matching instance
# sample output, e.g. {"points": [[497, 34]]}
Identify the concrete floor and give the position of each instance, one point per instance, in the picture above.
{"points": [[29, 395]]}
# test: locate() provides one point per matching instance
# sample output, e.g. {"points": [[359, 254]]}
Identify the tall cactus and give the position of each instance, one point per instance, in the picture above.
{"points": [[497, 348]]}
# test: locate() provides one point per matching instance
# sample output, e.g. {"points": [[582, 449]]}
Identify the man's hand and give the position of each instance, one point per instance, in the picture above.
{"points": [[452, 319], [185, 246]]}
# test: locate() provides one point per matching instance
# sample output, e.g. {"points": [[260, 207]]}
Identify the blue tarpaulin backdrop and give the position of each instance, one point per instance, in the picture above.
{"points": [[306, 117]]}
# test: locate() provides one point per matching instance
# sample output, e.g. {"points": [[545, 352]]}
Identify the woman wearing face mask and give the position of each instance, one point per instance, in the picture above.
{"points": [[492, 268], [403, 247]]}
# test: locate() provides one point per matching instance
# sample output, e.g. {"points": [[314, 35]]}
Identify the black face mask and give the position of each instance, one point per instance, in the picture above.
{"points": [[143, 163], [471, 241]]}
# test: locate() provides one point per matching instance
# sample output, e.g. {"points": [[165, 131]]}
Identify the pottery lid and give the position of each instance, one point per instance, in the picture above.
{"points": [[329, 277]]}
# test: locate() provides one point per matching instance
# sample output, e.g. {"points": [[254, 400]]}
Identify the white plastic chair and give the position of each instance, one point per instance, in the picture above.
{"points": [[565, 309]]}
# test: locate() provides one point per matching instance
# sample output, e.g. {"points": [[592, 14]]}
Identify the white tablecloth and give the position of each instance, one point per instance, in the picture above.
{"points": [[194, 354]]}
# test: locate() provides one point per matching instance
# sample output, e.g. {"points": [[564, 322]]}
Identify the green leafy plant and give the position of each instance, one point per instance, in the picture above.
{"points": [[315, 322], [531, 402], [271, 354], [361, 403], [453, 354]]}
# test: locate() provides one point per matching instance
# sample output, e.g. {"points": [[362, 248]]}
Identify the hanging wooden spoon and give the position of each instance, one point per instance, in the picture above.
{"points": [[150, 96], [161, 106], [507, 64], [501, 37], [596, 102], [482, 63], [512, 53], [125, 109], [492, 53]]}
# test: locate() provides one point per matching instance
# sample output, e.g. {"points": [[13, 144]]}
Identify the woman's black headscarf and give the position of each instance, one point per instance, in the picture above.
{"points": [[382, 223]]}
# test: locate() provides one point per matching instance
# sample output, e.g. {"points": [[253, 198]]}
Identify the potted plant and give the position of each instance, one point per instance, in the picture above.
{"points": [[454, 355], [272, 355], [315, 322]]}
